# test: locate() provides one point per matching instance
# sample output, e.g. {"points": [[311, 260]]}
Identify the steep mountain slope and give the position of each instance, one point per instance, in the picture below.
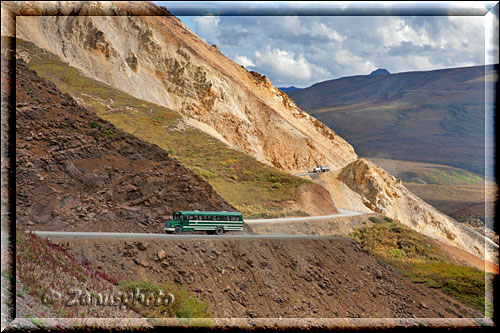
{"points": [[383, 193], [78, 172], [158, 59], [254, 188], [434, 116]]}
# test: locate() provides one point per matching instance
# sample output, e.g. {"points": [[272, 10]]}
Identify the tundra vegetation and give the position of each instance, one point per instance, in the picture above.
{"points": [[423, 262]]}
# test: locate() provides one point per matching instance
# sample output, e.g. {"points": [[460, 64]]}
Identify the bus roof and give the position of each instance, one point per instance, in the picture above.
{"points": [[199, 212]]}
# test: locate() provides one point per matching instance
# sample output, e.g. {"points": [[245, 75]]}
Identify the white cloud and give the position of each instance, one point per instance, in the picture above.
{"points": [[284, 64], [208, 26], [244, 61], [303, 50], [284, 67]]}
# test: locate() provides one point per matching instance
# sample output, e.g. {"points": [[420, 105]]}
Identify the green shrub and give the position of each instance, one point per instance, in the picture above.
{"points": [[109, 133], [185, 304], [396, 253], [95, 124]]}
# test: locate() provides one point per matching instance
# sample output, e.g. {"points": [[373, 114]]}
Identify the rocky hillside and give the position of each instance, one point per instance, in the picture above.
{"points": [[387, 195], [76, 171], [254, 188], [156, 58], [271, 278]]}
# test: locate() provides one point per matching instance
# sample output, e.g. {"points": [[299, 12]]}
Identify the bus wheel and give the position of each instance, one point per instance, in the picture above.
{"points": [[219, 231], [177, 230]]}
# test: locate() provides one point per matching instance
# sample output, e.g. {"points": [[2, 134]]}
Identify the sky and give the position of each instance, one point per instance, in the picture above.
{"points": [[302, 43]]}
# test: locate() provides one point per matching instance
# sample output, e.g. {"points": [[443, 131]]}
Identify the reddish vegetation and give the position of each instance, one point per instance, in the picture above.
{"points": [[46, 274]]}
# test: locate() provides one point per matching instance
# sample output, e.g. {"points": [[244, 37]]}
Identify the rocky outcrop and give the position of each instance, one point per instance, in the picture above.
{"points": [[384, 194], [312, 199]]}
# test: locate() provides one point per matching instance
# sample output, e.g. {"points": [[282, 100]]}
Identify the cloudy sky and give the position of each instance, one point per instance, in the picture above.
{"points": [[314, 42]]}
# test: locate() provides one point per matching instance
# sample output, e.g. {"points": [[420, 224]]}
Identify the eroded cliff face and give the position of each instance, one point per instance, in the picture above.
{"points": [[158, 59], [385, 194]]}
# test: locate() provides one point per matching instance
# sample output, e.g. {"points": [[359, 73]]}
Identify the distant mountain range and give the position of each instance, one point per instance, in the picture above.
{"points": [[288, 89], [431, 116]]}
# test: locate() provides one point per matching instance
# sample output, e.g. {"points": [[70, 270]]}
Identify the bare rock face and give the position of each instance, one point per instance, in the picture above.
{"points": [[384, 194]]}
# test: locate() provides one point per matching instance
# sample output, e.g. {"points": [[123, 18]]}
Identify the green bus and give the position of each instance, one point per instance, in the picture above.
{"points": [[210, 222]]}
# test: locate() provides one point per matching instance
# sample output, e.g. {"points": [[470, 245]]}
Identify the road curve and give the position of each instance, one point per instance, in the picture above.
{"points": [[343, 213], [116, 235]]}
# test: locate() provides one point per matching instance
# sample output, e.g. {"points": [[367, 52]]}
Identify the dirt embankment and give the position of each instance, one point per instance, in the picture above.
{"points": [[270, 278], [78, 172], [311, 199], [323, 227]]}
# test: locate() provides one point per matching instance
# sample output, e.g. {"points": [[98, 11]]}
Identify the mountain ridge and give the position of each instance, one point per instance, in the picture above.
{"points": [[413, 110]]}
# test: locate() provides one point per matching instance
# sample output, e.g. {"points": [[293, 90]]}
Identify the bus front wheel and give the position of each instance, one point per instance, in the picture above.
{"points": [[177, 230]]}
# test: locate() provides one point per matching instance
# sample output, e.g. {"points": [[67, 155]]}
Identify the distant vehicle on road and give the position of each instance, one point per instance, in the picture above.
{"points": [[321, 168], [212, 222]]}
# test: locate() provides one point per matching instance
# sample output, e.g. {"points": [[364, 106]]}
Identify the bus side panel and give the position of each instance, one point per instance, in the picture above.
{"points": [[203, 225]]}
